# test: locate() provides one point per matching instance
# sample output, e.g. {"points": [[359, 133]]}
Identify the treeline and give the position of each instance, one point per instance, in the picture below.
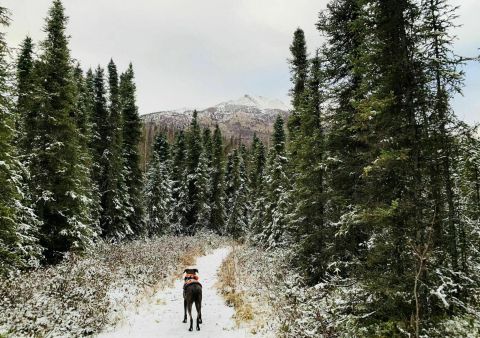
{"points": [[378, 187], [191, 183], [69, 170]]}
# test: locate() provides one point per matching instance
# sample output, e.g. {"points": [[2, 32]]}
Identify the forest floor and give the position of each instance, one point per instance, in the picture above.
{"points": [[162, 314]]}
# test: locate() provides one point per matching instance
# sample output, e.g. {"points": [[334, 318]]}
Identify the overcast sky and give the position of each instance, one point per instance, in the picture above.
{"points": [[192, 53]]}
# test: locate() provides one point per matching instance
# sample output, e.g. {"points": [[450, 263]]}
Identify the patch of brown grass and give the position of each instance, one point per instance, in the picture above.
{"points": [[229, 287]]}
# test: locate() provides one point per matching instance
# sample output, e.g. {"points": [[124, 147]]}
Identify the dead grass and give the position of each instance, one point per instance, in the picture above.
{"points": [[83, 295], [229, 285]]}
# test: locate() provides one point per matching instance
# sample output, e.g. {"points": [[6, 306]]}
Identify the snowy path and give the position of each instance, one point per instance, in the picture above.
{"points": [[162, 317]]}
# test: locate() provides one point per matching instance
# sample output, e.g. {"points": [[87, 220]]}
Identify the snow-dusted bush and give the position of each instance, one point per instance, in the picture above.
{"points": [[253, 282], [284, 306], [83, 295]]}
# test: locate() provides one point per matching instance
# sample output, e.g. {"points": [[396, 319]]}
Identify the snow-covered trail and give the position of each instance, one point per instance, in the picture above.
{"points": [[162, 316]]}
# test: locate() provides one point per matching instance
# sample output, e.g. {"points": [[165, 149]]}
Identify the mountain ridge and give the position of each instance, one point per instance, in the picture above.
{"points": [[239, 119]]}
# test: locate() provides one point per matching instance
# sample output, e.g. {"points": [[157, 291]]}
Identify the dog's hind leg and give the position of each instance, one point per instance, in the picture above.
{"points": [[184, 310], [189, 306], [198, 306]]}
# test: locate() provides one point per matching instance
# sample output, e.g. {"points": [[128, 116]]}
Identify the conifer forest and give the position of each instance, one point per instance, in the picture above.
{"points": [[358, 217]]}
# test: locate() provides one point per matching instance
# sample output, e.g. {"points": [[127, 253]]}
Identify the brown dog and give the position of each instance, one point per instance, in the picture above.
{"points": [[192, 293]]}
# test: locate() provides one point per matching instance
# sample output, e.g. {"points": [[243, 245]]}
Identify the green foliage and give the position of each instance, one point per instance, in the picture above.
{"points": [[158, 190], [195, 197], [217, 191], [59, 180], [108, 157], [237, 194], [19, 247], [375, 167], [131, 139], [299, 71], [268, 223], [179, 190]]}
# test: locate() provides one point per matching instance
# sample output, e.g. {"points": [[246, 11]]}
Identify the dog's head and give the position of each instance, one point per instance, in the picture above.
{"points": [[190, 271]]}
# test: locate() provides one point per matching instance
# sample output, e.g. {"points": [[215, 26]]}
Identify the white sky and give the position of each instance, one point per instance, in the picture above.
{"points": [[196, 53]]}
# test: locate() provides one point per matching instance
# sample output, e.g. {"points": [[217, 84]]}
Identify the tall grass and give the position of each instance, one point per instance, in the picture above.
{"points": [[83, 295]]}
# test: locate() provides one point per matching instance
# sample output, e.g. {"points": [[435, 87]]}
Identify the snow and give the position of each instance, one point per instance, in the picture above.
{"points": [[162, 315], [260, 102], [254, 104]]}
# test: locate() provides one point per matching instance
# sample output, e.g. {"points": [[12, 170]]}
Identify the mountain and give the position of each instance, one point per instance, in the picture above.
{"points": [[238, 119]]}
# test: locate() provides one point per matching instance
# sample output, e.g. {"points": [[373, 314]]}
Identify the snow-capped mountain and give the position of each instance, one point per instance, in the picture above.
{"points": [[238, 119], [258, 102]]}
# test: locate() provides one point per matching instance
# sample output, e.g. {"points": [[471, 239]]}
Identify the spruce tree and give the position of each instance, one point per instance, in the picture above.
{"points": [[202, 186], [207, 146], [309, 219], [100, 132], [117, 193], [108, 158], [179, 190], [452, 173], [18, 224], [158, 190], [232, 180], [238, 196], [299, 71], [25, 92], [393, 209], [194, 151], [445, 79], [58, 176], [217, 191], [344, 25], [161, 147], [256, 164], [268, 224], [83, 117], [131, 138], [233, 201]]}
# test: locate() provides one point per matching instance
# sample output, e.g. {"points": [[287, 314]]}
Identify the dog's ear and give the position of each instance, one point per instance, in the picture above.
{"points": [[196, 270], [185, 271]]}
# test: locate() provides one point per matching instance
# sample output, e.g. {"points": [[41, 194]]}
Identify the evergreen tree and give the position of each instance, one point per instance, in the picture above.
{"points": [[217, 191], [194, 151], [202, 185], [232, 179], [82, 117], [268, 223], [179, 191], [131, 138], [238, 199], [207, 146], [89, 103], [299, 71], [100, 132], [393, 208], [256, 164], [452, 173], [445, 79], [25, 92], [58, 176], [345, 28], [278, 137], [161, 148], [309, 217], [18, 224], [108, 159], [158, 190]]}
